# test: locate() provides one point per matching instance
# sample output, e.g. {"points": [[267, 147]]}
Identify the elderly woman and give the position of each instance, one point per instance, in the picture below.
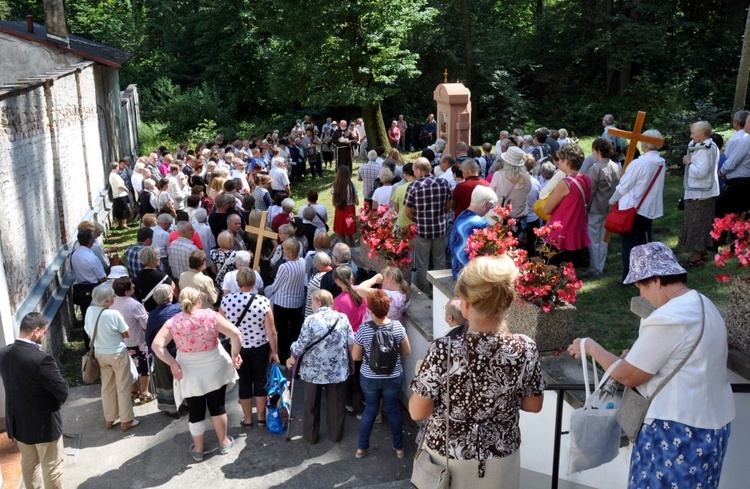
{"points": [[223, 258], [288, 293], [322, 264], [162, 376], [632, 191], [512, 185], [108, 330], [325, 344], [377, 386], [486, 389], [567, 205], [686, 430], [382, 195], [196, 279], [135, 317], [604, 175], [202, 369], [701, 184], [321, 243], [150, 277], [391, 280], [252, 315]]}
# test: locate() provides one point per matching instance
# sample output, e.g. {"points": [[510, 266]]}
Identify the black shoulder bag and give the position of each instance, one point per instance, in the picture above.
{"points": [[298, 361], [226, 342]]}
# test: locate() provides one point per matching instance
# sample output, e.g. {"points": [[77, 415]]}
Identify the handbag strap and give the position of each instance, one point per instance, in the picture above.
{"points": [[447, 407], [330, 330], [93, 335], [653, 181], [244, 311], [584, 364], [583, 194], [145, 299], [684, 360]]}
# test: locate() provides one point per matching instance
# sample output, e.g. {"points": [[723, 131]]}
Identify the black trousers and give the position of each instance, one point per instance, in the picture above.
{"points": [[214, 401], [335, 410], [288, 325]]}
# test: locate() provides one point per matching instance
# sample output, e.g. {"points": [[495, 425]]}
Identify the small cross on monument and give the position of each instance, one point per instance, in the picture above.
{"points": [[635, 136], [260, 232], [445, 76]]}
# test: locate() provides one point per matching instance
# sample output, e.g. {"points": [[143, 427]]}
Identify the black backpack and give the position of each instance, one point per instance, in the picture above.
{"points": [[383, 350]]}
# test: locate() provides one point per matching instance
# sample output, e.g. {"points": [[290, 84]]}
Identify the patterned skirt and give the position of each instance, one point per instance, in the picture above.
{"points": [[670, 454], [699, 217]]}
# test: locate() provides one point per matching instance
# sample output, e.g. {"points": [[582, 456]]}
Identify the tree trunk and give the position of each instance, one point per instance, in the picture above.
{"points": [[469, 59], [740, 91], [627, 65], [374, 126]]}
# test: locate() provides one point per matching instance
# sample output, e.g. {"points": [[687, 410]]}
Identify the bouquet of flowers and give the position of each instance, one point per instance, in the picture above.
{"points": [[538, 282], [739, 232], [496, 239], [378, 230]]}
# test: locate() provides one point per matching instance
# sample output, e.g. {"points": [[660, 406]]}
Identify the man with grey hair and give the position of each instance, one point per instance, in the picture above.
{"points": [[632, 190], [461, 198], [234, 226], [342, 257], [427, 201], [738, 124], [163, 380], [180, 249], [161, 238], [499, 144], [242, 259], [200, 226], [736, 170], [454, 318], [34, 393], [482, 200], [217, 220]]}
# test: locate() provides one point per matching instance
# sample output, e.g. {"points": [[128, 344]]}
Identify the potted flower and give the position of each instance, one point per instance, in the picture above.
{"points": [[544, 293], [738, 312], [382, 242]]}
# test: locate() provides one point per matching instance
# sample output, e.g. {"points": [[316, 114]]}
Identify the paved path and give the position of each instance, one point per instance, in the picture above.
{"points": [[155, 453]]}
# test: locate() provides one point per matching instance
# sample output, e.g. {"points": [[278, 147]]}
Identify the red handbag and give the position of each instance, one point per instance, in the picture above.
{"points": [[621, 221]]}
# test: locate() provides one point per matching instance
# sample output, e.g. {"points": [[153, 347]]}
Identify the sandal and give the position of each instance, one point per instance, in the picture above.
{"points": [[145, 398], [261, 424], [399, 453], [363, 453], [246, 426]]}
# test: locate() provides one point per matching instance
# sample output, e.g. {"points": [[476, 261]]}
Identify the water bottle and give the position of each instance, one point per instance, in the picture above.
{"points": [[609, 389]]}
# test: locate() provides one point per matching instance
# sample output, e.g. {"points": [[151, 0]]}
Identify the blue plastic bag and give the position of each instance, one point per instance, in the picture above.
{"points": [[278, 402]]}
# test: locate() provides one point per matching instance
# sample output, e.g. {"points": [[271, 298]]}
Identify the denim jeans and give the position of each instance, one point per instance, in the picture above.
{"points": [[389, 390]]}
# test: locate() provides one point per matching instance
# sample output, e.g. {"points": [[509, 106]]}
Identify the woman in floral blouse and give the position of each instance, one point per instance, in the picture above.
{"points": [[493, 374], [326, 341]]}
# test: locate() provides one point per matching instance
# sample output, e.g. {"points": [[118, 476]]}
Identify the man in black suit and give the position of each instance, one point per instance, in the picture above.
{"points": [[34, 392]]}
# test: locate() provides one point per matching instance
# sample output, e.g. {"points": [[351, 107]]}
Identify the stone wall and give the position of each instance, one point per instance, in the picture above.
{"points": [[58, 134]]}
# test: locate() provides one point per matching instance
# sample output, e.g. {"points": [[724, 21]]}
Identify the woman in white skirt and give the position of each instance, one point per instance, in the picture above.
{"points": [[202, 369]]}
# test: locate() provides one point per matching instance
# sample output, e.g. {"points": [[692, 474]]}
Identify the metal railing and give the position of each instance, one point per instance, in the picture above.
{"points": [[560, 389]]}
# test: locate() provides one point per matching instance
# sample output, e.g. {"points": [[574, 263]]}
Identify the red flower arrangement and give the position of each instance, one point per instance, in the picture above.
{"points": [[739, 231], [538, 282], [378, 230]]}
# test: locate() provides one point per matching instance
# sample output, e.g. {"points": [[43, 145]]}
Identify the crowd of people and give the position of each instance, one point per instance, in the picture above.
{"points": [[187, 315]]}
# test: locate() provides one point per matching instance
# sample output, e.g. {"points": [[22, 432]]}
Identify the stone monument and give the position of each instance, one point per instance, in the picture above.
{"points": [[453, 114]]}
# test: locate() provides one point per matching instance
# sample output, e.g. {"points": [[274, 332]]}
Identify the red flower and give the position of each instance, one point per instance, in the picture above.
{"points": [[738, 229]]}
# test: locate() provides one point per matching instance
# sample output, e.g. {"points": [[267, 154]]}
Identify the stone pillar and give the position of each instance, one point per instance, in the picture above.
{"points": [[453, 114]]}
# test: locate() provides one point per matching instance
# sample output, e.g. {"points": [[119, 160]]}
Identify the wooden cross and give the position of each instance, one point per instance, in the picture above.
{"points": [[635, 136], [260, 232], [445, 76]]}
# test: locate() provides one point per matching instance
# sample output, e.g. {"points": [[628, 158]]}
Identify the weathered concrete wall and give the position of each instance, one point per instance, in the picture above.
{"points": [[36, 59]]}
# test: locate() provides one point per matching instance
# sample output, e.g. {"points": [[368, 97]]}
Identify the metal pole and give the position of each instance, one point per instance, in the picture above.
{"points": [[558, 434]]}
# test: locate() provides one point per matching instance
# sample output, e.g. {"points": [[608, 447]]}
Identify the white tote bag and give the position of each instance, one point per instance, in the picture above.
{"points": [[594, 432]]}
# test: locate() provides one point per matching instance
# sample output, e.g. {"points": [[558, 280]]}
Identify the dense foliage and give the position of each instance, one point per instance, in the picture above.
{"points": [[241, 65]]}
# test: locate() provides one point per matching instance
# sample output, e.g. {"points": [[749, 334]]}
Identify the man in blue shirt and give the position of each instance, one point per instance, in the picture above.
{"points": [[482, 200]]}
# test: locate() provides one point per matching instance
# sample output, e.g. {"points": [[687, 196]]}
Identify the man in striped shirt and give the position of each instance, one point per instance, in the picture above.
{"points": [[180, 249]]}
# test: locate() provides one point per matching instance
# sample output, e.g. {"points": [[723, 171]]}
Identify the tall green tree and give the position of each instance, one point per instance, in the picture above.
{"points": [[351, 53]]}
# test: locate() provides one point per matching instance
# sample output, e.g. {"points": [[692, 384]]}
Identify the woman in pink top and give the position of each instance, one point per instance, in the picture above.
{"points": [[567, 205], [202, 369], [350, 302]]}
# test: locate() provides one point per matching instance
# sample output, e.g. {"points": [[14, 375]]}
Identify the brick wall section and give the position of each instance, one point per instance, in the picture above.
{"points": [[52, 169], [31, 231]]}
